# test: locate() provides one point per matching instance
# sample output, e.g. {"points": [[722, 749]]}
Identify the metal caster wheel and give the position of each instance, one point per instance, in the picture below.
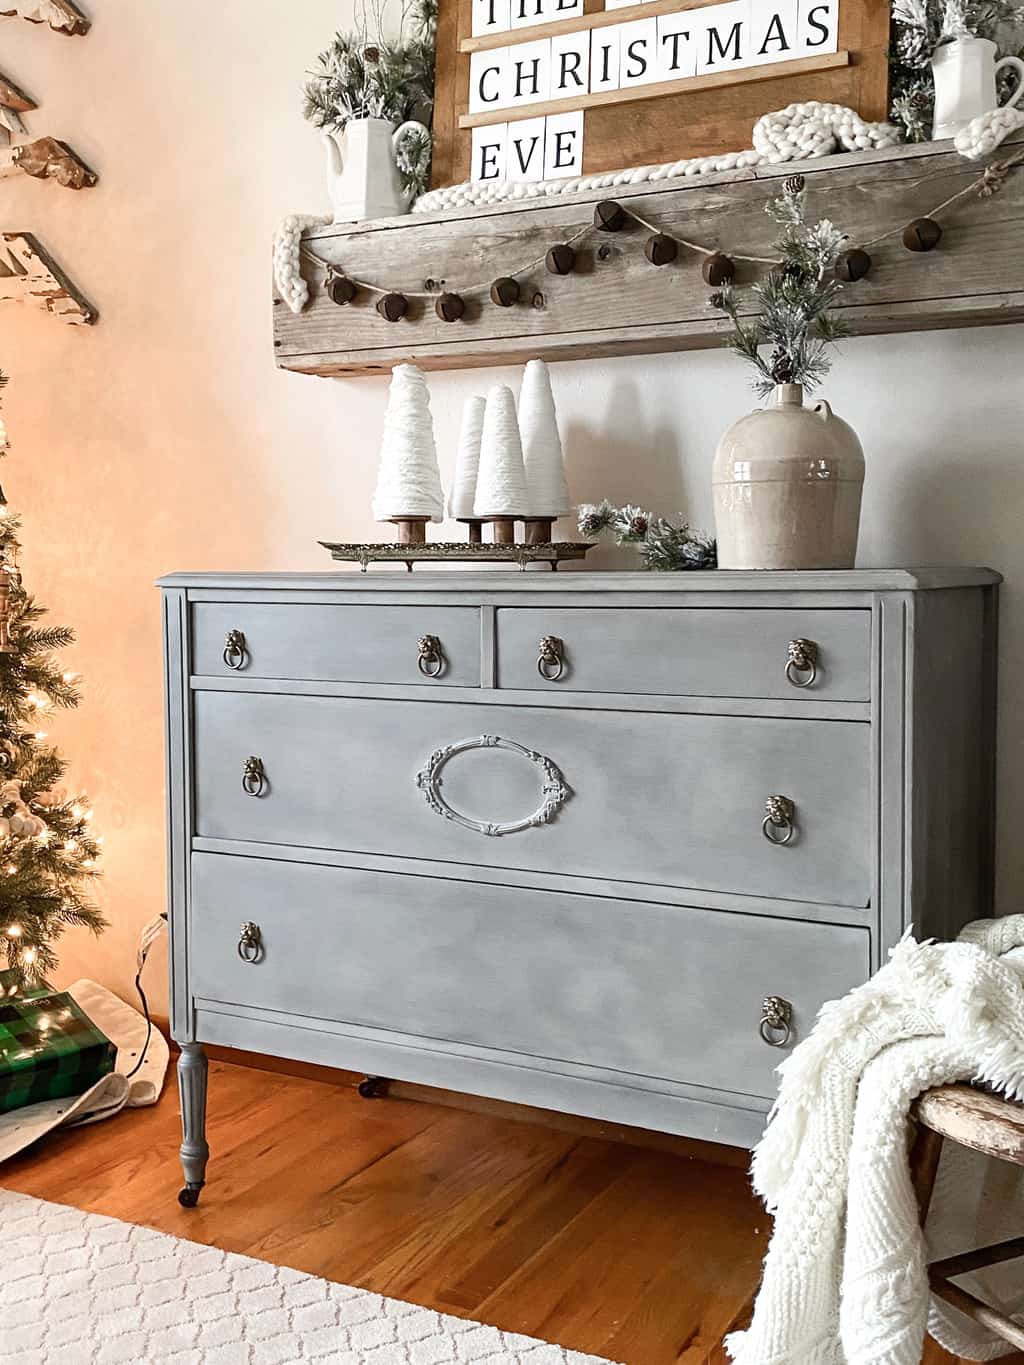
{"points": [[374, 1087], [188, 1197]]}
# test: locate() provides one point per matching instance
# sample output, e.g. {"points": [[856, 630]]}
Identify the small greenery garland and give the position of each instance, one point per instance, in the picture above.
{"points": [[664, 548]]}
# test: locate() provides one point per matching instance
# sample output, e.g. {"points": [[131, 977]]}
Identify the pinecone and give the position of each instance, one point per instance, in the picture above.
{"points": [[794, 184], [371, 55], [717, 299], [638, 526], [782, 366]]}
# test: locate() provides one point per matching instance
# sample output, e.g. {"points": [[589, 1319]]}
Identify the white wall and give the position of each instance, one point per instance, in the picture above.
{"points": [[164, 438]]}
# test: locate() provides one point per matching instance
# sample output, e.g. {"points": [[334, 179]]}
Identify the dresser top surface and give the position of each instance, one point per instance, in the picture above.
{"points": [[571, 582]]}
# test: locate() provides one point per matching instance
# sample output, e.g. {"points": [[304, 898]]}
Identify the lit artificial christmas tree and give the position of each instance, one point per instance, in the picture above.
{"points": [[48, 854]]}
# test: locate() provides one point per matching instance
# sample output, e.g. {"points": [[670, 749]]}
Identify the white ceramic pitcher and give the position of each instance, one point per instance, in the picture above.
{"points": [[362, 176], [965, 83]]}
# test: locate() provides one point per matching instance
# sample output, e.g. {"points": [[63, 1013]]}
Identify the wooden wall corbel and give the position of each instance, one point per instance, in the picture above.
{"points": [[13, 103], [61, 15], [28, 274], [48, 159]]}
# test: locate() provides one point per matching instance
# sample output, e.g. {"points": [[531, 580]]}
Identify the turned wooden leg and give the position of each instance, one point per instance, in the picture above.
{"points": [[192, 1068]]}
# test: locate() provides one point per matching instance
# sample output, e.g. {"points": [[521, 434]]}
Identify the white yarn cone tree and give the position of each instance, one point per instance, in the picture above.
{"points": [[408, 479], [546, 485], [462, 498], [501, 494]]}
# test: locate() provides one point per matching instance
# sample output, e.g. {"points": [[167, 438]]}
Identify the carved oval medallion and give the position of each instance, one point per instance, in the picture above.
{"points": [[554, 789]]}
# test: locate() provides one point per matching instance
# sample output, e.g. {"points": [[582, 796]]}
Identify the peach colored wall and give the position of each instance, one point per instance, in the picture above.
{"points": [[165, 439]]}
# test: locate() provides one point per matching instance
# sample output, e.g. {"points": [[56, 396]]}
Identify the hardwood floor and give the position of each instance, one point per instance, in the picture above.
{"points": [[641, 1256]]}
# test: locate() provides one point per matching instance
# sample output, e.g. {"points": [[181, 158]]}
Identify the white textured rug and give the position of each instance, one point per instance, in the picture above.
{"points": [[78, 1289]]}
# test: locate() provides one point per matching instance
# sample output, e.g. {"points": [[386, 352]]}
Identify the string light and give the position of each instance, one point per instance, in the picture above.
{"points": [[70, 846], [14, 931]]}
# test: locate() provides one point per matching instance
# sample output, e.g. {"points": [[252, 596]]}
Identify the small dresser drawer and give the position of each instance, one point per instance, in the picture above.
{"points": [[648, 990], [688, 651], [371, 644], [670, 799]]}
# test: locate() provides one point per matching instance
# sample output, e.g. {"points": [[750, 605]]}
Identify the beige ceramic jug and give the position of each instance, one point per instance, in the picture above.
{"points": [[787, 486]]}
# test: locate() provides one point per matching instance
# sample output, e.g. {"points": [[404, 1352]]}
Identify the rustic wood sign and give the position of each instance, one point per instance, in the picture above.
{"points": [[533, 90], [28, 274]]}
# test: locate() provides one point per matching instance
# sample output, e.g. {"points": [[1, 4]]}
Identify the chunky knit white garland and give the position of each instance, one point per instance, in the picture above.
{"points": [[845, 1280], [796, 133]]}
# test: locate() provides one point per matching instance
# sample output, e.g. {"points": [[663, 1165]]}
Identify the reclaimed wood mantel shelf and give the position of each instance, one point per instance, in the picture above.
{"points": [[617, 303]]}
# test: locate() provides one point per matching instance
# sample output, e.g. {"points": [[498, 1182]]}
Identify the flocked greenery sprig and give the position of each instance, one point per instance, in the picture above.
{"points": [[364, 74], [796, 324], [48, 853], [663, 548], [919, 27]]}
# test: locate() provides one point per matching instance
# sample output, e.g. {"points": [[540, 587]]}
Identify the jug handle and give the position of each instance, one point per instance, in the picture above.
{"points": [[823, 410], [337, 157], [1018, 66]]}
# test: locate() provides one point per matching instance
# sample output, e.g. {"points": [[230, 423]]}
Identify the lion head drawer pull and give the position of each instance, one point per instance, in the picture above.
{"points": [[777, 825], [430, 661], [254, 778], [235, 652], [551, 658], [776, 1021], [250, 942], [802, 663], [554, 790]]}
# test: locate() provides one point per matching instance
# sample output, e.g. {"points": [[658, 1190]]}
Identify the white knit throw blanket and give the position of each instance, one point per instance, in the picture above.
{"points": [[845, 1279]]}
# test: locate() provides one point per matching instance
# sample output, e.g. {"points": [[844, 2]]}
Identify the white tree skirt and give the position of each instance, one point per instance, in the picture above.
{"points": [[79, 1289]]}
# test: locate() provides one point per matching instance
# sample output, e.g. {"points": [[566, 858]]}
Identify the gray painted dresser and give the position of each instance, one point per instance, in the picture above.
{"points": [[602, 843]]}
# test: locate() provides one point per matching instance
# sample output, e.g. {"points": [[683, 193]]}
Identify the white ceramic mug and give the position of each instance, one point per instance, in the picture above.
{"points": [[965, 83]]}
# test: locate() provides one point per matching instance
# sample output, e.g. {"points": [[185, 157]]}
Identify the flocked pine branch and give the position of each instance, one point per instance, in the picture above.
{"points": [[919, 26], [365, 74], [788, 342]]}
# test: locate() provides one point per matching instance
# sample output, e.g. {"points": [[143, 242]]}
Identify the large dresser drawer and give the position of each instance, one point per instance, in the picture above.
{"points": [[668, 799], [650, 990], [370, 644], [687, 651]]}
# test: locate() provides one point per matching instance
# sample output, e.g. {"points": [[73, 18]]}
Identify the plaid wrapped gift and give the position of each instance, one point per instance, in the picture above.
{"points": [[49, 1049]]}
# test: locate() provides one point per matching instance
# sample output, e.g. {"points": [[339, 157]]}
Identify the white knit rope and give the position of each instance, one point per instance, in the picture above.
{"points": [[799, 132]]}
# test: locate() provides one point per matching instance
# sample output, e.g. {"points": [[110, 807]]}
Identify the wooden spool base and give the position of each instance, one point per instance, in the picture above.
{"points": [[537, 530], [476, 529], [411, 530], [503, 530]]}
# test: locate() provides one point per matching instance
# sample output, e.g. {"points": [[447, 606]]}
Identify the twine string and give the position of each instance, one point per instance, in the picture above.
{"points": [[989, 183]]}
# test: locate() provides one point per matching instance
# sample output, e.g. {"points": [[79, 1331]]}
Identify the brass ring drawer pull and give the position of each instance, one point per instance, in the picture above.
{"points": [[430, 661], [776, 1026], [802, 663], [551, 658], [254, 778], [250, 942], [777, 825], [235, 652]]}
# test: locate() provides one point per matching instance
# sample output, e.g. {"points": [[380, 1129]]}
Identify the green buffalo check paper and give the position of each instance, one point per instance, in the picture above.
{"points": [[49, 1049]]}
